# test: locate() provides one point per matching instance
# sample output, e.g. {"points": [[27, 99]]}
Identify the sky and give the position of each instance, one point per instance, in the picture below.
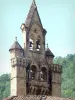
{"points": [[57, 16]]}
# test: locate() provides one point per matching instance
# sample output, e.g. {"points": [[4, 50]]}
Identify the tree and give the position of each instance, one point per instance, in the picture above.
{"points": [[68, 75], [4, 86]]}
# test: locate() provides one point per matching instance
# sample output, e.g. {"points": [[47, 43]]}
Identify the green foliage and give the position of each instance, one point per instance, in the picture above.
{"points": [[4, 86], [68, 78], [68, 75]]}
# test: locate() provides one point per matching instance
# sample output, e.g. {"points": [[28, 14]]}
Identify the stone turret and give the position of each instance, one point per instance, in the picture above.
{"points": [[16, 50], [18, 71], [49, 56]]}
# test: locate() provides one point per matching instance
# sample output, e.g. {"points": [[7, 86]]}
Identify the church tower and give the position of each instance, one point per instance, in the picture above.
{"points": [[32, 68], [43, 77], [33, 33]]}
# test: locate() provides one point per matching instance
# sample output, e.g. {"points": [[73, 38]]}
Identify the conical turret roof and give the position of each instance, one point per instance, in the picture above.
{"points": [[49, 53], [16, 46]]}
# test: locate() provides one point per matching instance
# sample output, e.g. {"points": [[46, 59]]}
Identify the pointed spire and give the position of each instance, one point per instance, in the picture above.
{"points": [[48, 52], [30, 14], [15, 45], [34, 2]]}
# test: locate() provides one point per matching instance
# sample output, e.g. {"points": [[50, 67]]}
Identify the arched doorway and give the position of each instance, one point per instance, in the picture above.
{"points": [[43, 74], [33, 72]]}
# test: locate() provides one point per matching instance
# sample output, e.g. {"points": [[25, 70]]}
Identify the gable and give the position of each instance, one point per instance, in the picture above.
{"points": [[33, 16], [36, 18]]}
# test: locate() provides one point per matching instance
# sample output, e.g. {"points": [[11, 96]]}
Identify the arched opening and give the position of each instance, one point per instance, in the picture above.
{"points": [[27, 78], [27, 71], [38, 43], [50, 81], [33, 72], [30, 44], [43, 74]]}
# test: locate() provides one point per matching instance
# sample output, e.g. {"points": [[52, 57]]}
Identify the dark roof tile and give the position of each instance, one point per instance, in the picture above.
{"points": [[30, 14], [15, 46], [49, 53]]}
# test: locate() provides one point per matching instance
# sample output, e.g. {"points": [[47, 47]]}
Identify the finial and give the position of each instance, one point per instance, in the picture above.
{"points": [[47, 45], [16, 38], [34, 2]]}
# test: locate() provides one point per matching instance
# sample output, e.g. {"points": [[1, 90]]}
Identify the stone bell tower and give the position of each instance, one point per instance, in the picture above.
{"points": [[33, 33], [32, 69], [42, 76]]}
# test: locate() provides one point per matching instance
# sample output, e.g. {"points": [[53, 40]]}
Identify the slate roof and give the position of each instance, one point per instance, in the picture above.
{"points": [[49, 53], [37, 98], [30, 14], [15, 46]]}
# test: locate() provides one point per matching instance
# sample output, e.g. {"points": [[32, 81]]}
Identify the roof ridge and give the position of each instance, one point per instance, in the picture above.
{"points": [[30, 14]]}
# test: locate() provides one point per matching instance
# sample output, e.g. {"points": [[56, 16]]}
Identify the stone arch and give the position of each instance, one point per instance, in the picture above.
{"points": [[43, 74], [33, 72], [35, 64], [44, 65]]}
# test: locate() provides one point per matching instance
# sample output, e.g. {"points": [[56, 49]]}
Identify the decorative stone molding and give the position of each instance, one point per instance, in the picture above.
{"points": [[55, 68], [17, 61]]}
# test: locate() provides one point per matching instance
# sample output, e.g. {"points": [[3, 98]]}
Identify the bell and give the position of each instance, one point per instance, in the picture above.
{"points": [[37, 44], [30, 45]]}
